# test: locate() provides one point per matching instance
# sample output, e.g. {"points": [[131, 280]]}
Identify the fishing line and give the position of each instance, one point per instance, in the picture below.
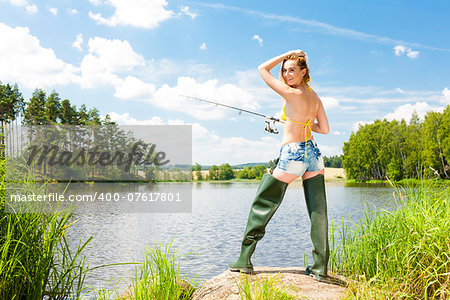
{"points": [[268, 127]]}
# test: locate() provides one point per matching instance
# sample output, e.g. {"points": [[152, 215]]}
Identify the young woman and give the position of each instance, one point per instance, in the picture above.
{"points": [[303, 113]]}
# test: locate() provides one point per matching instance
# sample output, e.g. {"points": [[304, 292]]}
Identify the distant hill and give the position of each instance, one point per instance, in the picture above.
{"points": [[240, 166], [330, 162], [207, 167]]}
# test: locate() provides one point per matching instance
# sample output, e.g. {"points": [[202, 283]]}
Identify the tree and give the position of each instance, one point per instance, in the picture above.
{"points": [[213, 173], [52, 108], [198, 171], [272, 163], [246, 173], [400, 150], [35, 109], [226, 172], [259, 171], [11, 104], [444, 136], [433, 147], [69, 114], [333, 161]]}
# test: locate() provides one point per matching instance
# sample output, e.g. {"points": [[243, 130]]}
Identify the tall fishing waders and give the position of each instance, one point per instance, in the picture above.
{"points": [[316, 203], [268, 198]]}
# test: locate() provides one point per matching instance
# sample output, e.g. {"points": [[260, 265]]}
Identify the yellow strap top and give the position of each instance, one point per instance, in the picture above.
{"points": [[305, 126]]}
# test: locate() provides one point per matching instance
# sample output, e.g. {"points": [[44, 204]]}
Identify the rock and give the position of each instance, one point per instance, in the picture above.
{"points": [[224, 286]]}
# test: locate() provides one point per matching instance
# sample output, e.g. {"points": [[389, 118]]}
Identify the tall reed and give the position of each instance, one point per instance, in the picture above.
{"points": [[405, 253], [35, 258]]}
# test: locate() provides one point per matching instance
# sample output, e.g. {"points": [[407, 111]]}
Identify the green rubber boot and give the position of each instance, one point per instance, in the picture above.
{"points": [[267, 200], [316, 203]]}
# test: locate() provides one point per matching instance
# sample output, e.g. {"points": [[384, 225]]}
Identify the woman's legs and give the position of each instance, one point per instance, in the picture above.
{"points": [[268, 198], [283, 176], [309, 174]]}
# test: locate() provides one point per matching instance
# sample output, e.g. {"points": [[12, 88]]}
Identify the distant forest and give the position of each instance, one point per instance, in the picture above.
{"points": [[43, 109], [397, 150]]}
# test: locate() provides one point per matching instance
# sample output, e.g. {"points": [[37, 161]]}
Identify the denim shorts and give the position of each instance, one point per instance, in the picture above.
{"points": [[294, 161]]}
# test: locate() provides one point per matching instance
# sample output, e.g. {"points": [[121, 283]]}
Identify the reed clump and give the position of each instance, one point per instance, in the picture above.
{"points": [[160, 277], [35, 257], [404, 253]]}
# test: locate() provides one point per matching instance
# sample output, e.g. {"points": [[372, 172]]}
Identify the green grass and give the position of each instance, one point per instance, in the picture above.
{"points": [[35, 258], [403, 253], [254, 288], [414, 181], [160, 277], [105, 292], [404, 182]]}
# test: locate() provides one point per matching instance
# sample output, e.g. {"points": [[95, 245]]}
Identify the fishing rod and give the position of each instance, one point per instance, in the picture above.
{"points": [[269, 128]]}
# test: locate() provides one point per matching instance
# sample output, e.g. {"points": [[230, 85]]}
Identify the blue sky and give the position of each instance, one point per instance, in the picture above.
{"points": [[132, 58]]}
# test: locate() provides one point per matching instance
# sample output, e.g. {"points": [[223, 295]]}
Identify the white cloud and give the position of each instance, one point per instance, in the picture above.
{"points": [[400, 50], [115, 55], [405, 111], [401, 91], [185, 10], [338, 133], [203, 46], [257, 38], [78, 41], [330, 150], [251, 81], [329, 102], [136, 13], [133, 88], [170, 98], [358, 124], [199, 132], [210, 148], [98, 67], [53, 10], [95, 2], [126, 119], [215, 149], [412, 54], [72, 11], [25, 61], [31, 8], [446, 94]]}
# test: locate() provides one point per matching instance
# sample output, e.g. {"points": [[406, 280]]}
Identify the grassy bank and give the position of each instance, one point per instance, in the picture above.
{"points": [[403, 253], [406, 182], [35, 258]]}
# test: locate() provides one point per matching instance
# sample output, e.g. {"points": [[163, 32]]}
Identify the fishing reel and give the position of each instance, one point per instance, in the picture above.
{"points": [[271, 128]]}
